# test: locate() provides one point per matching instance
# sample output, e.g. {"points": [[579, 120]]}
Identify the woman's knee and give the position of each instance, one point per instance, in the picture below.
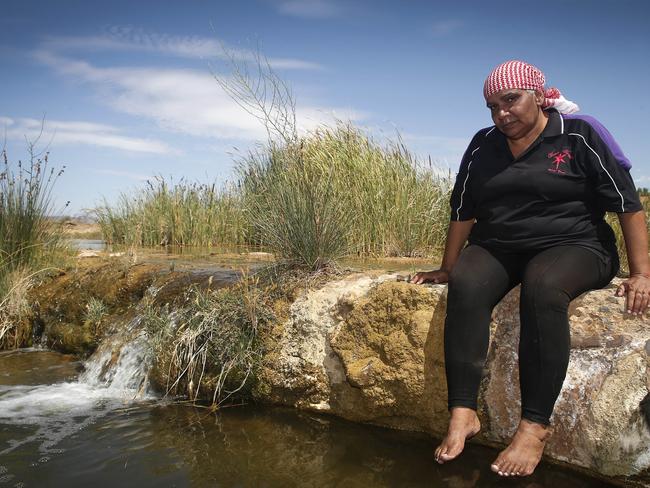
{"points": [[544, 291], [558, 275], [463, 287]]}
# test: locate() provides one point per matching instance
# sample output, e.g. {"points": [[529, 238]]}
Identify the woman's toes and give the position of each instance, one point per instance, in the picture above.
{"points": [[445, 456], [441, 454], [506, 469]]}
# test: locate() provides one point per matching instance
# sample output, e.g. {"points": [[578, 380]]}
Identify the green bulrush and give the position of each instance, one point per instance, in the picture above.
{"points": [[174, 214]]}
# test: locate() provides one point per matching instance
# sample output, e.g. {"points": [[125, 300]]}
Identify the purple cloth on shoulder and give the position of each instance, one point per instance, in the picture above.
{"points": [[606, 137]]}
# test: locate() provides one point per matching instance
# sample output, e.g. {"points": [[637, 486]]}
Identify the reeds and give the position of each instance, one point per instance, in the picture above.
{"points": [[28, 233], [329, 194], [30, 238], [180, 214]]}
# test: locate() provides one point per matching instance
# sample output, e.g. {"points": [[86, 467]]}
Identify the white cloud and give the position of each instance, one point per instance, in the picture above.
{"points": [[125, 38], [6, 121], [132, 144], [313, 9], [313, 117], [67, 126], [79, 132], [443, 28], [184, 101]]}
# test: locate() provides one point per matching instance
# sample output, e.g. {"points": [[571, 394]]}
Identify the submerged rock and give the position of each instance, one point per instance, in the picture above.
{"points": [[370, 349]]}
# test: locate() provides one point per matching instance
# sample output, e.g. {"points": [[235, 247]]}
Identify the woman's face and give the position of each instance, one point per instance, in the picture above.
{"points": [[515, 112]]}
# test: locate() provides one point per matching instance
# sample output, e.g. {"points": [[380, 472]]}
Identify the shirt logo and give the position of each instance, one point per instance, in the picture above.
{"points": [[558, 158]]}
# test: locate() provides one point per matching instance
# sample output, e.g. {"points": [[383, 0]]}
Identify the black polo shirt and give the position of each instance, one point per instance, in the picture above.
{"points": [[555, 193]]}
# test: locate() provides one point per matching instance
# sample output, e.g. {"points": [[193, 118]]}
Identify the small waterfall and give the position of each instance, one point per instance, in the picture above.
{"points": [[115, 376], [120, 366]]}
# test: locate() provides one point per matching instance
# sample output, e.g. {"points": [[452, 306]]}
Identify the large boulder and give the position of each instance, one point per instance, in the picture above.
{"points": [[369, 348]]}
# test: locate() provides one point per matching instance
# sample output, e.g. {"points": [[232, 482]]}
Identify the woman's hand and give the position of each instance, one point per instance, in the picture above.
{"points": [[437, 276], [636, 290], [637, 287]]}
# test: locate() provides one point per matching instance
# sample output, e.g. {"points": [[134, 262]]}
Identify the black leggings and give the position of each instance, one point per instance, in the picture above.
{"points": [[549, 279]]}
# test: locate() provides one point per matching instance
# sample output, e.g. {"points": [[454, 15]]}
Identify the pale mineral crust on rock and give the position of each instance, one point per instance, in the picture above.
{"points": [[370, 349]]}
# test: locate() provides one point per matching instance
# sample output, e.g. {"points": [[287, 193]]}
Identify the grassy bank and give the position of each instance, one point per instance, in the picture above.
{"points": [[332, 193], [30, 240]]}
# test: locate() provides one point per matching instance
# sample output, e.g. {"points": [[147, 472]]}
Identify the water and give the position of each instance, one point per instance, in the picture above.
{"points": [[102, 428], [88, 244]]}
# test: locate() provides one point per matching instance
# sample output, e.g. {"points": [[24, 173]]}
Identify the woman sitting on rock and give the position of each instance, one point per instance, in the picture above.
{"points": [[530, 197]]}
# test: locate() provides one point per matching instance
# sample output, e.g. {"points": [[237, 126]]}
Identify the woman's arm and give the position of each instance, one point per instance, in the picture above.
{"points": [[637, 287], [457, 234]]}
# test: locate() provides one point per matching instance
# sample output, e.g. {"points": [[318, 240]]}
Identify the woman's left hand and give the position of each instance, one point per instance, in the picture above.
{"points": [[637, 293]]}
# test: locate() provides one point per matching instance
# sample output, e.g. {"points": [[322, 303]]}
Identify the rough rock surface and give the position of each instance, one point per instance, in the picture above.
{"points": [[370, 349]]}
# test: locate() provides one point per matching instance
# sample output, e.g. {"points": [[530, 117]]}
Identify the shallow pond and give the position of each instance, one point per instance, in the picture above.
{"points": [[60, 427], [191, 258], [90, 244]]}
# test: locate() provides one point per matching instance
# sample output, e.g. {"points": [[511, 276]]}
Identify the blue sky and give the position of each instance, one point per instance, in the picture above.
{"points": [[126, 87]]}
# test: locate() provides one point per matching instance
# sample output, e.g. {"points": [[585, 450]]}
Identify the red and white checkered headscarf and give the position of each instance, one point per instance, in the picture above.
{"points": [[523, 76]]}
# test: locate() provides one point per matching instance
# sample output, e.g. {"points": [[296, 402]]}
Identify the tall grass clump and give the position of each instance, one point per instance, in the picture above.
{"points": [[210, 348], [176, 214], [295, 206], [335, 192], [30, 238]]}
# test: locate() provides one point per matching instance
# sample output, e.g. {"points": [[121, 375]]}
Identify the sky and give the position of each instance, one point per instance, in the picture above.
{"points": [[124, 91]]}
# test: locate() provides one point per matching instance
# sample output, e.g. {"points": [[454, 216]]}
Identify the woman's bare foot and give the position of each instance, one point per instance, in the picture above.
{"points": [[463, 425], [523, 454]]}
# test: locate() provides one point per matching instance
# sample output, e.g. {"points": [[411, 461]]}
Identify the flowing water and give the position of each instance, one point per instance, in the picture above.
{"points": [[102, 427]]}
